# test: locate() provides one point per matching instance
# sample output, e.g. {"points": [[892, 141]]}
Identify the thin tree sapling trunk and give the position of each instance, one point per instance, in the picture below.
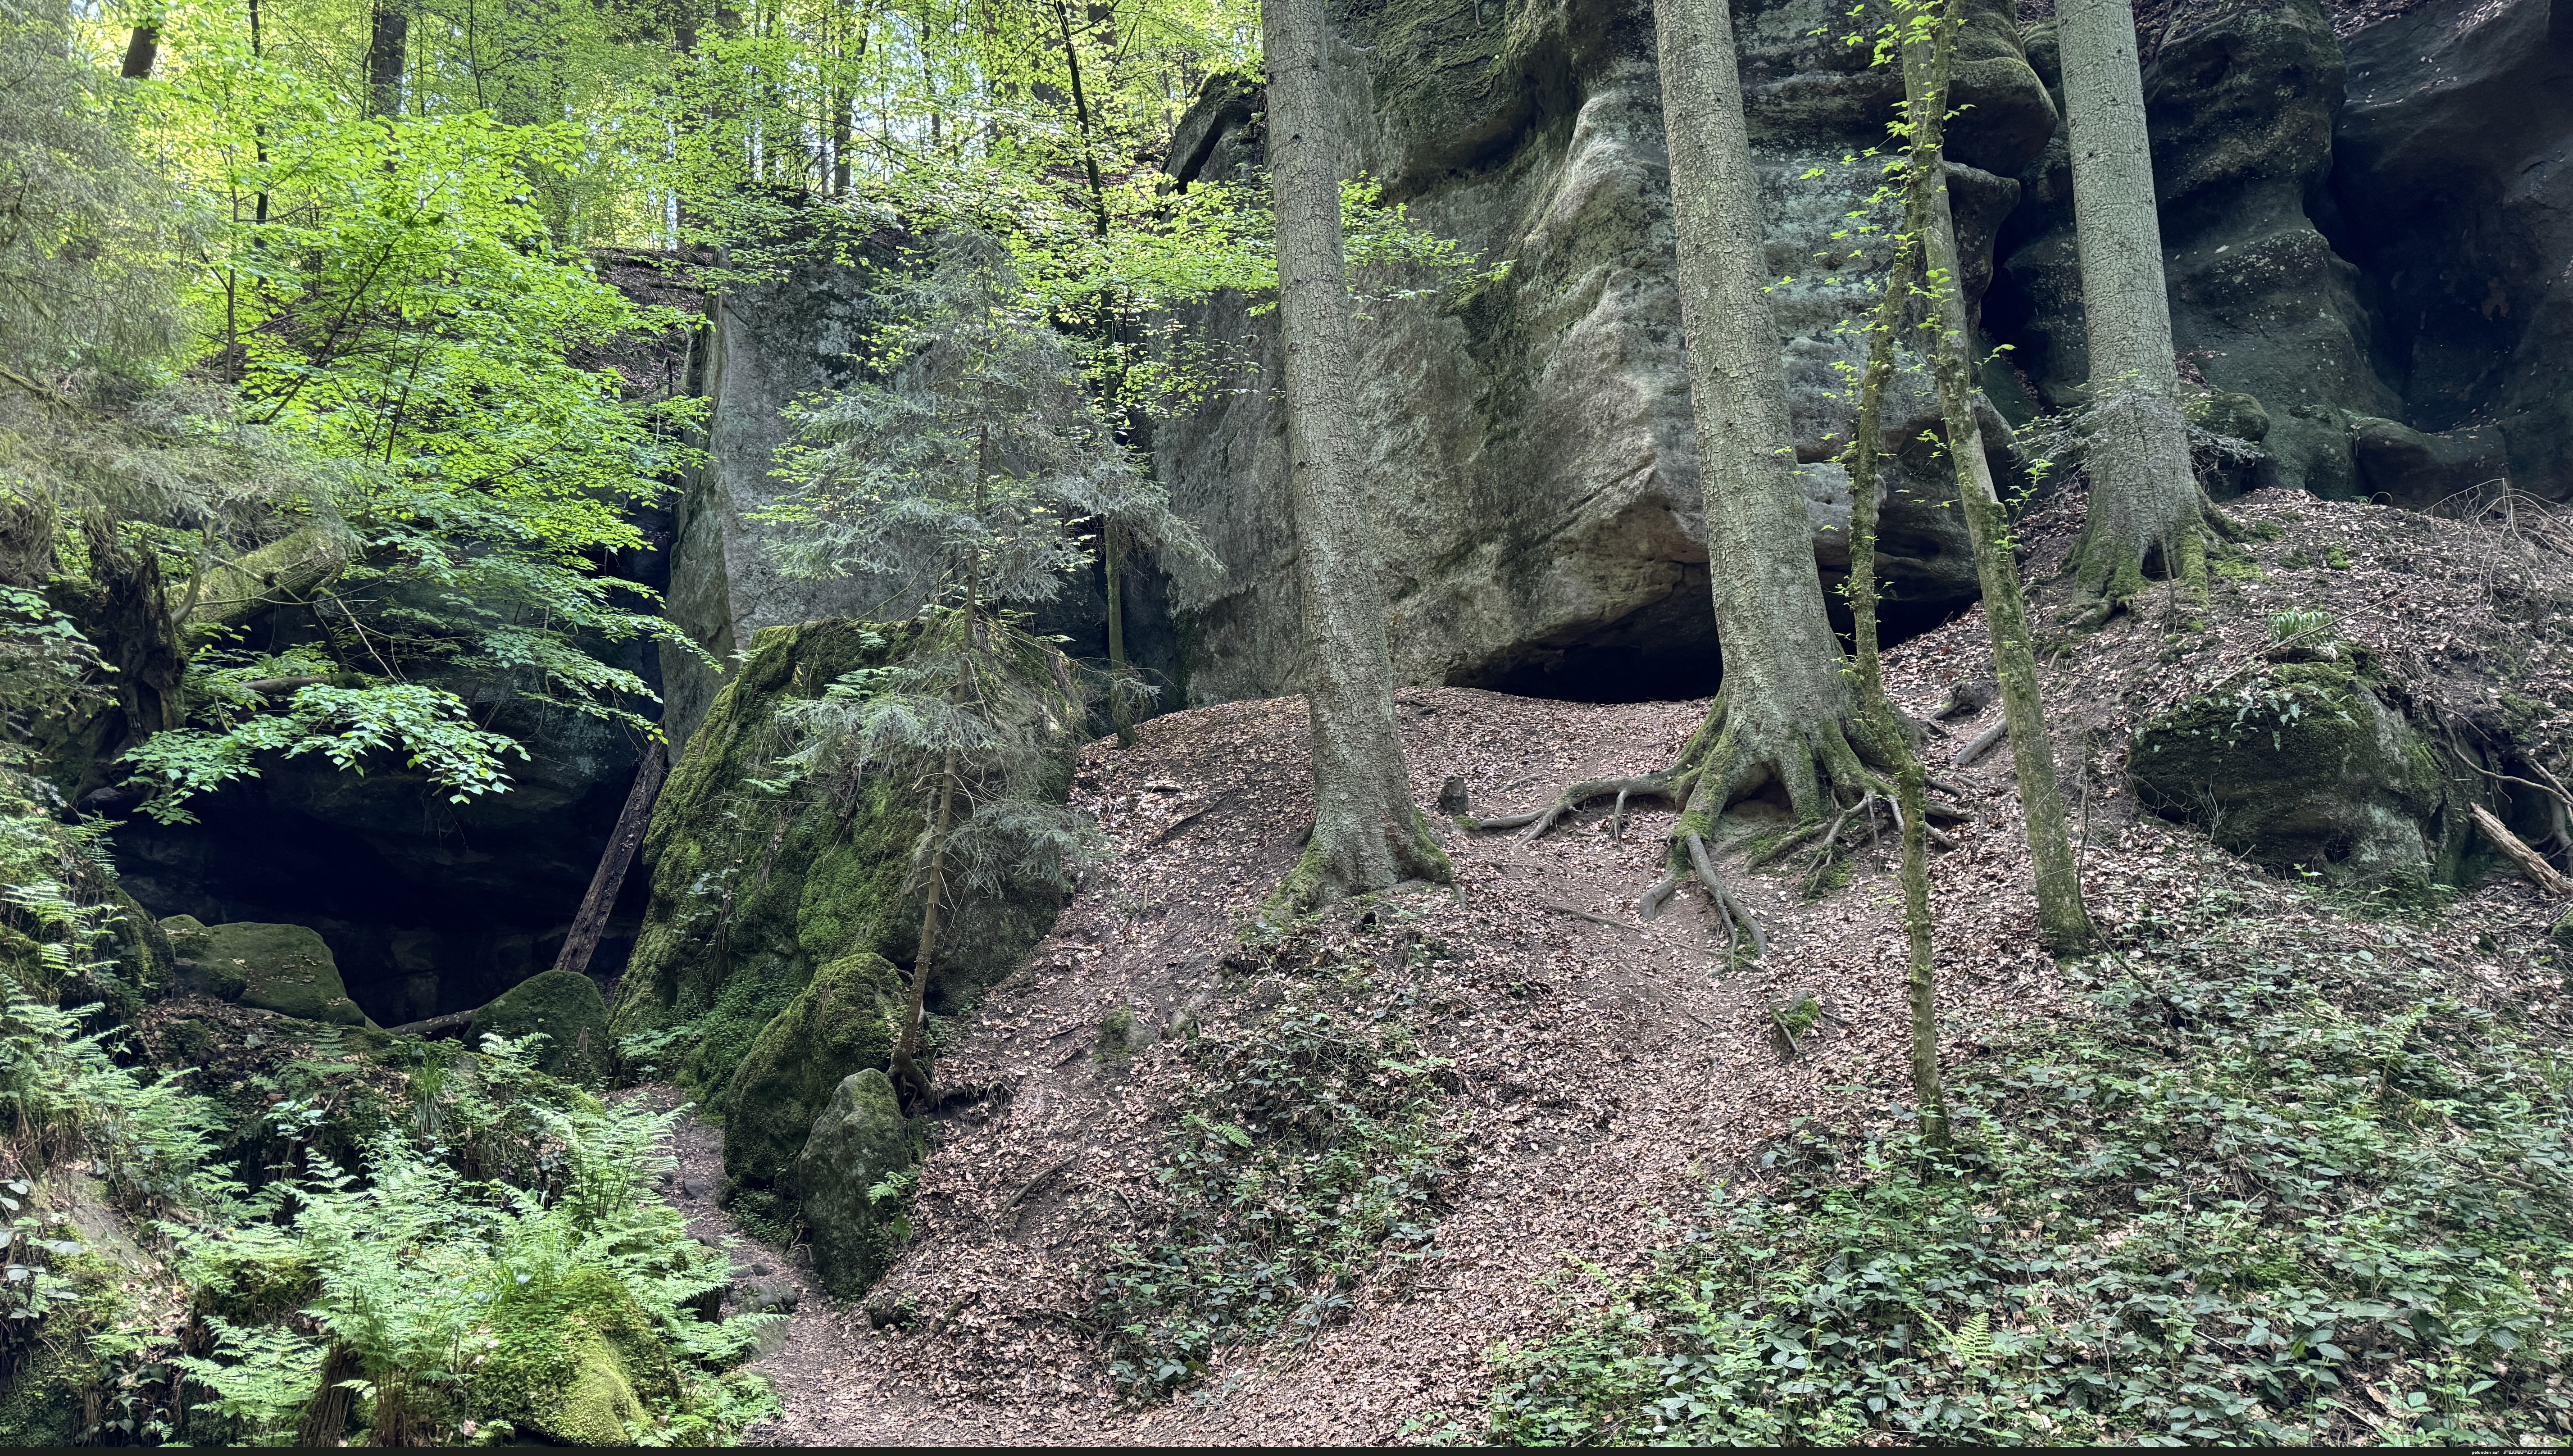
{"points": [[1369, 833], [1911, 779], [2145, 507], [2063, 923], [907, 1051]]}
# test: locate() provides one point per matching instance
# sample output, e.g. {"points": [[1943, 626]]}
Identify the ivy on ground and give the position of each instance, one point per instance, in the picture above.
{"points": [[2299, 1193]]}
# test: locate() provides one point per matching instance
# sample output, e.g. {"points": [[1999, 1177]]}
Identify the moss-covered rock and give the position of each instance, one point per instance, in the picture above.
{"points": [[280, 967], [42, 1407], [566, 1363], [845, 1021], [2306, 765], [759, 880], [567, 1007], [859, 1140]]}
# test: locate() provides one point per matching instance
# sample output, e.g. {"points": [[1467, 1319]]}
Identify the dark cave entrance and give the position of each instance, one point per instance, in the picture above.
{"points": [[1667, 652]]}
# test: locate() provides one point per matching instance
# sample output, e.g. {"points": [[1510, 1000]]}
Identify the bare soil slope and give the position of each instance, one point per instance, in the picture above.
{"points": [[1604, 1069]]}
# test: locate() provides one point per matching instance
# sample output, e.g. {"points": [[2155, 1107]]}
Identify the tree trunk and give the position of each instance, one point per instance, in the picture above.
{"points": [[1368, 833], [1784, 707], [582, 942], [906, 1054], [142, 51], [2143, 495], [1921, 982], [2061, 922], [384, 54]]}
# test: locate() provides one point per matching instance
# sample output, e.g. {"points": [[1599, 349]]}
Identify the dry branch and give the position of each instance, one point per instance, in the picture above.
{"points": [[2530, 862]]}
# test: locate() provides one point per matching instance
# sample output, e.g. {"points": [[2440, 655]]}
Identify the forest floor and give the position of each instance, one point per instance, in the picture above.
{"points": [[1608, 1070]]}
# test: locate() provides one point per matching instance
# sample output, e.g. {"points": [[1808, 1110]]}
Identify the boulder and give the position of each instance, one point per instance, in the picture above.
{"points": [[286, 969], [565, 1361], [567, 1007], [845, 1019], [759, 880], [2303, 765], [858, 1141]]}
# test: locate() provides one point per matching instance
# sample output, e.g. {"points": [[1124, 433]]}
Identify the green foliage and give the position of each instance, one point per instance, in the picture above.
{"points": [[431, 729], [1312, 1149], [2302, 1194]]}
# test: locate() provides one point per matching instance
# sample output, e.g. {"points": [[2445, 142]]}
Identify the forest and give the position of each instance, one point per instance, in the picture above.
{"points": [[1456, 722]]}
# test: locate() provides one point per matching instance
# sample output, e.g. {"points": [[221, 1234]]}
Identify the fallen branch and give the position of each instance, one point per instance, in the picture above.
{"points": [[1184, 820], [434, 1024], [1983, 744], [1595, 918], [2530, 862]]}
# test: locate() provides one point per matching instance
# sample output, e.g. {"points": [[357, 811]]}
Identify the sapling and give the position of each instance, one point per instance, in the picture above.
{"points": [[963, 474]]}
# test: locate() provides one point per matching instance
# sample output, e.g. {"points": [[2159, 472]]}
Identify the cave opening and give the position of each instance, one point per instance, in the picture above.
{"points": [[1667, 652]]}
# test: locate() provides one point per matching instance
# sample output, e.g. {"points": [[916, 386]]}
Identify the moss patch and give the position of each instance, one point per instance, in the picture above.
{"points": [[567, 1007], [2302, 765], [760, 878], [280, 967], [845, 1021]]}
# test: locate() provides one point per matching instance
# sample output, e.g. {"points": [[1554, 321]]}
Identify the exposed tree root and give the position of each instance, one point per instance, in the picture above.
{"points": [[1832, 785]]}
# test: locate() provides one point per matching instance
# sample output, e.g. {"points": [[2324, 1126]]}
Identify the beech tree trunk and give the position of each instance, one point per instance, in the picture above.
{"points": [[2061, 922], [2143, 495], [1785, 708], [1368, 833], [385, 48]]}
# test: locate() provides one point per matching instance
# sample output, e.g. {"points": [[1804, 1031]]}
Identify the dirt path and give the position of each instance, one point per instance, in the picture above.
{"points": [[1611, 1069]]}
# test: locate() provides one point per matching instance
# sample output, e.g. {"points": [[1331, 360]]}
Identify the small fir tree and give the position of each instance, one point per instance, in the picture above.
{"points": [[965, 474]]}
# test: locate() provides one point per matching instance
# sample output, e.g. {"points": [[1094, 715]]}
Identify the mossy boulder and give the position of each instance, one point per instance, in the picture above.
{"points": [[858, 1141], [571, 1363], [2303, 765], [567, 1007], [42, 1407], [280, 967], [845, 1021], [760, 878]]}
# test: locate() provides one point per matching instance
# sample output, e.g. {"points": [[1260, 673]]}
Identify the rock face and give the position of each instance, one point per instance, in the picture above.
{"points": [[858, 1140], [429, 907], [563, 1005], [770, 346], [758, 882], [286, 969], [2305, 765], [2453, 179], [1528, 441]]}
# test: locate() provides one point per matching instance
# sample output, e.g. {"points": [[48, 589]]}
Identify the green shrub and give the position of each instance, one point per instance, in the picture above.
{"points": [[2296, 1194]]}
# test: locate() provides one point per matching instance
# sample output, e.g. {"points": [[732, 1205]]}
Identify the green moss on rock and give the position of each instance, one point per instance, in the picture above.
{"points": [[567, 1361], [280, 967], [858, 1142], [845, 1021], [2303, 765], [43, 1405], [759, 880], [567, 1007]]}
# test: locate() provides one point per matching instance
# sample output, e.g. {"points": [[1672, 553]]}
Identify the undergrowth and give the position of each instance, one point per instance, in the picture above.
{"points": [[1310, 1151], [2297, 1193]]}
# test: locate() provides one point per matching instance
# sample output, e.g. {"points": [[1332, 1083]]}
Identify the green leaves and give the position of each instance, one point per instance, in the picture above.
{"points": [[433, 731], [2337, 1178]]}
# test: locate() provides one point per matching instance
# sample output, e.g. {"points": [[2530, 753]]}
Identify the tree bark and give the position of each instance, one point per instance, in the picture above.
{"points": [[2063, 923], [906, 1052], [1369, 835], [582, 942], [1921, 980], [2145, 502], [386, 47], [1785, 706], [142, 51]]}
